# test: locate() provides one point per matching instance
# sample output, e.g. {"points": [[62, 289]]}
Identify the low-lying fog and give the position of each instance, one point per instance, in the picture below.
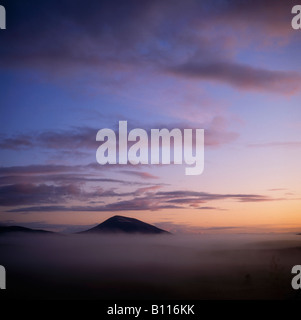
{"points": [[156, 267]]}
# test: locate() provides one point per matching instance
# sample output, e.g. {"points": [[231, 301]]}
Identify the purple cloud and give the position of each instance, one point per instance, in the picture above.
{"points": [[241, 76], [38, 194], [118, 38], [26, 194], [140, 174], [280, 144]]}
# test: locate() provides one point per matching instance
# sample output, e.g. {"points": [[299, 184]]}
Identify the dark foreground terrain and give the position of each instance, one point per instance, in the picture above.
{"points": [[149, 266]]}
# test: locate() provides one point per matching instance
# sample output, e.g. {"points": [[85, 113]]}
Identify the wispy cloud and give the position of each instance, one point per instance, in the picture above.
{"points": [[140, 200], [130, 205], [80, 139], [181, 195], [177, 228], [63, 174], [211, 208], [280, 144], [140, 174], [73, 139], [147, 190], [26, 194], [37, 169], [79, 178], [241, 76]]}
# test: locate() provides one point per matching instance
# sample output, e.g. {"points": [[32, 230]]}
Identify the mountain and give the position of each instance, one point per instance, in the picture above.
{"points": [[120, 224], [11, 229]]}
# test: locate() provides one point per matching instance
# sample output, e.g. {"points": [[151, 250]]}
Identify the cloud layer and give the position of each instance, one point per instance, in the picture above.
{"points": [[60, 188], [118, 38]]}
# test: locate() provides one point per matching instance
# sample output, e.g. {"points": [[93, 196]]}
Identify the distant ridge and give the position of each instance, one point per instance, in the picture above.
{"points": [[120, 224], [12, 229]]}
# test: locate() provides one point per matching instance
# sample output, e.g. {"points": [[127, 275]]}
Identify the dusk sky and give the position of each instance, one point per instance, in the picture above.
{"points": [[71, 68]]}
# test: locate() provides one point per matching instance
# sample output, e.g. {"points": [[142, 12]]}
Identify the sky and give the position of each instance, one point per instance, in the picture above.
{"points": [[71, 68]]}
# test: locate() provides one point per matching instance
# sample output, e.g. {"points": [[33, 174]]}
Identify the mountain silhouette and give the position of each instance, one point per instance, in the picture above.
{"points": [[11, 229], [120, 224]]}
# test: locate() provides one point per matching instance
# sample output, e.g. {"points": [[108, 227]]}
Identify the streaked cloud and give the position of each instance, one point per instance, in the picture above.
{"points": [[60, 174], [84, 138], [139, 200], [280, 144], [241, 76], [73, 139], [140, 174]]}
